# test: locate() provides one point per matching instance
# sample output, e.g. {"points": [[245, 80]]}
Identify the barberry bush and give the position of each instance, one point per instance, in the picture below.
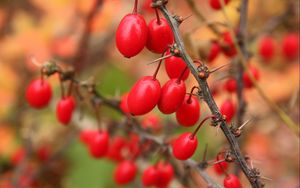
{"points": [[149, 93]]}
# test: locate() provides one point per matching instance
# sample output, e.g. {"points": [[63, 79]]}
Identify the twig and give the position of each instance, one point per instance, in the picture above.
{"points": [[242, 38], [207, 96], [84, 41], [283, 116]]}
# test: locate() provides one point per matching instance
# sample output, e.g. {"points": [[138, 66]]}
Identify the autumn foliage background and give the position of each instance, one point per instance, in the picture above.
{"points": [[51, 30]]}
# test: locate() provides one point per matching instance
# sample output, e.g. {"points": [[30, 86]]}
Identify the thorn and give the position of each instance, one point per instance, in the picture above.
{"points": [[35, 61], [244, 124], [218, 68], [184, 19], [219, 161], [161, 58], [217, 131], [251, 164], [198, 61], [266, 178]]}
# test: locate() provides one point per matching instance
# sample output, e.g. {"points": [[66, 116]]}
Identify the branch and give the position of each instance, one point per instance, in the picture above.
{"points": [[283, 116], [207, 96], [97, 100], [242, 38]]}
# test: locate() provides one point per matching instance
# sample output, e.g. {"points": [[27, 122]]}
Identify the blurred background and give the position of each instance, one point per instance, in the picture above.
{"points": [[73, 34]]}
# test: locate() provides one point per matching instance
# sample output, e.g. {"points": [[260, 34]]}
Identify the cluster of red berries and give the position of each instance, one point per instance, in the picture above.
{"points": [[228, 107], [119, 149], [131, 37], [220, 167], [267, 47], [147, 92], [39, 94], [225, 45]]}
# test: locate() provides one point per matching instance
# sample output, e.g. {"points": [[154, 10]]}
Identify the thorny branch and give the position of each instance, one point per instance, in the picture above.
{"points": [[269, 26], [242, 38], [207, 96], [97, 100]]}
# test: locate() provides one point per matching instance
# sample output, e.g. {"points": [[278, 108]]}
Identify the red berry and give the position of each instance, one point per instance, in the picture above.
{"points": [[87, 135], [214, 51], [172, 95], [189, 112], [246, 79], [174, 67], [266, 48], [216, 4], [123, 104], [38, 93], [150, 176], [184, 146], [220, 167], [290, 46], [43, 153], [115, 148], [229, 50], [144, 95], [160, 35], [228, 109], [125, 172], [64, 109], [153, 122], [99, 144], [166, 173], [17, 156], [230, 85], [131, 35], [231, 181], [133, 145]]}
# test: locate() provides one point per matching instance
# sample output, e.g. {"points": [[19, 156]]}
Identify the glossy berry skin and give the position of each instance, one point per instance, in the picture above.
{"points": [[150, 176], [64, 109], [99, 144], [214, 51], [172, 96], [189, 111], [230, 85], [115, 148], [184, 146], [229, 50], [174, 67], [228, 109], [123, 103], [152, 122], [231, 181], [220, 167], [246, 79], [38, 93], [266, 48], [131, 35], [160, 35], [290, 46], [125, 172], [86, 136], [144, 95], [216, 4], [166, 173]]}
